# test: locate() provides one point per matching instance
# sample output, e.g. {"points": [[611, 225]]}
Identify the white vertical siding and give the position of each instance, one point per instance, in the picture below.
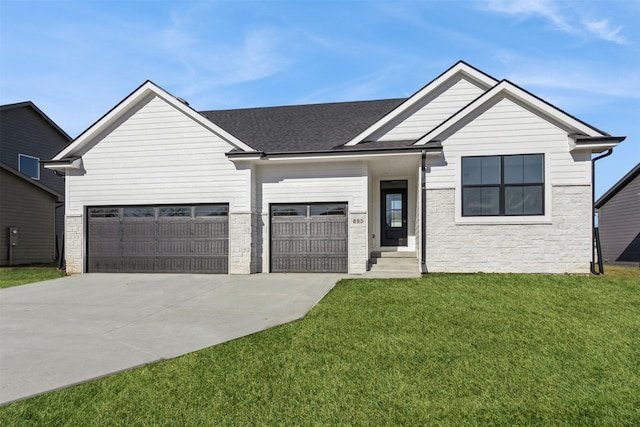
{"points": [[433, 112], [509, 128], [159, 155]]}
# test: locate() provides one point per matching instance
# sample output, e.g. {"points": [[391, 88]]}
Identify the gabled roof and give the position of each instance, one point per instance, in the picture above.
{"points": [[59, 197], [146, 90], [29, 104], [315, 127], [460, 69], [341, 127], [618, 186], [507, 89]]}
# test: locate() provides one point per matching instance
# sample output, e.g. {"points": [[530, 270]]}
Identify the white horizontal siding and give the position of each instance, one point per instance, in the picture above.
{"points": [[509, 128], [159, 155], [434, 112], [343, 182]]}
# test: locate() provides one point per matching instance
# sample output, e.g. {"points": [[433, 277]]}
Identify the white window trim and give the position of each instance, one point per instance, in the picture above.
{"points": [[533, 219], [20, 156]]}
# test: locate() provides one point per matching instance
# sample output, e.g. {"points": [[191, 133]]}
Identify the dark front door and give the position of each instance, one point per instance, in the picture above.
{"points": [[393, 205]]}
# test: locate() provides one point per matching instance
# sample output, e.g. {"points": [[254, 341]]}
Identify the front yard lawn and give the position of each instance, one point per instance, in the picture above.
{"points": [[14, 276], [479, 349]]}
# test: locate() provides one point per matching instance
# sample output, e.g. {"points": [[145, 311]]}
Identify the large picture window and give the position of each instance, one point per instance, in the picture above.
{"points": [[503, 185]]}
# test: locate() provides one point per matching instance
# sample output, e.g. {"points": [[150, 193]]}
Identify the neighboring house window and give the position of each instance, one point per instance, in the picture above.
{"points": [[29, 165], [503, 185]]}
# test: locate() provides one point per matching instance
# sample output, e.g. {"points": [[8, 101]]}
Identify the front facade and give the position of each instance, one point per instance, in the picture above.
{"points": [[619, 221], [468, 174]]}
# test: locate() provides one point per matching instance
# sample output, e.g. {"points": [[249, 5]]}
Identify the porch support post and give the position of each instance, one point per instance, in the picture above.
{"points": [[423, 213]]}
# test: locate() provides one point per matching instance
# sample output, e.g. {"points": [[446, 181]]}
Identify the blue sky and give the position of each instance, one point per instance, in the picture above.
{"points": [[77, 59]]}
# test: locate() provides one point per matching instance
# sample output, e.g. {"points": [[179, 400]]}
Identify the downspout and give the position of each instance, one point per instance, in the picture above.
{"points": [[423, 213], [593, 214]]}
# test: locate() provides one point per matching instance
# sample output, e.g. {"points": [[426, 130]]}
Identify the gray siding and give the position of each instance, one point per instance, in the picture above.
{"points": [[31, 209], [619, 224], [24, 130]]}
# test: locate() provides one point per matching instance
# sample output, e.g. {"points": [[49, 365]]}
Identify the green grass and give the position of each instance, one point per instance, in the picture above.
{"points": [[455, 350], [14, 276]]}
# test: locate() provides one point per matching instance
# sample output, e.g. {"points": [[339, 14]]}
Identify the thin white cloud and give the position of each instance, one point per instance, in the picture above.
{"points": [[201, 57], [547, 9], [561, 16], [602, 29], [369, 86]]}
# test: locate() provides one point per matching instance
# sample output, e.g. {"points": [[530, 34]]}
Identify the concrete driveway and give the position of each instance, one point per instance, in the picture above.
{"points": [[70, 330]]}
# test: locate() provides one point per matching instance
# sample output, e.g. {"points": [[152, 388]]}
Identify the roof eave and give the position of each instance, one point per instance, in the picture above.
{"points": [[64, 165], [434, 148], [595, 144]]}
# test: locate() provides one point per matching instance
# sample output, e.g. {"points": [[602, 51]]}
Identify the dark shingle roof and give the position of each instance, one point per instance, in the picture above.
{"points": [[302, 128]]}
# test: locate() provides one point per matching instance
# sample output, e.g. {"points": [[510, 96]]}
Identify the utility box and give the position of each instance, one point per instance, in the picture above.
{"points": [[13, 237]]}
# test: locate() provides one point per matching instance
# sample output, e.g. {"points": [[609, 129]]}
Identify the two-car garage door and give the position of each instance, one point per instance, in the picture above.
{"points": [[161, 239]]}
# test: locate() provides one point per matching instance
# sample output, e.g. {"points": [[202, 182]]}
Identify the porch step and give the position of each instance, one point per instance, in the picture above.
{"points": [[404, 254], [393, 262]]}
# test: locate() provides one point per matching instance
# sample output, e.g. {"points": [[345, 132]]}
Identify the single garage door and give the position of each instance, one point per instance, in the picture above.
{"points": [[158, 239], [309, 238]]}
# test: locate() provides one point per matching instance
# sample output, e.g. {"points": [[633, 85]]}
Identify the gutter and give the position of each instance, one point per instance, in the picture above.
{"points": [[261, 155], [593, 216]]}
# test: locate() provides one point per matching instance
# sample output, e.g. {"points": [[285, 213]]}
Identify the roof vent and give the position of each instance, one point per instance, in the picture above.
{"points": [[183, 101]]}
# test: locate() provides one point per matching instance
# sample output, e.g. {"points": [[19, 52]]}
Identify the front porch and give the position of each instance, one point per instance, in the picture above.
{"points": [[394, 216]]}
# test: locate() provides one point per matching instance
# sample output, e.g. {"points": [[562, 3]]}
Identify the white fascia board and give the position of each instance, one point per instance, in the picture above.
{"points": [[146, 90], [506, 88], [460, 68], [596, 147], [72, 165], [331, 157]]}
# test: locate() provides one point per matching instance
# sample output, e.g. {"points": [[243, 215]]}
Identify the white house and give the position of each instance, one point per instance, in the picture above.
{"points": [[468, 174]]}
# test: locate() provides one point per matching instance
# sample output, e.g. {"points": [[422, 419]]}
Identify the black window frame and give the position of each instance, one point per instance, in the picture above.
{"points": [[502, 186]]}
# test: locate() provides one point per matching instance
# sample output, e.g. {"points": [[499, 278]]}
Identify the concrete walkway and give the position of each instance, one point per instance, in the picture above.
{"points": [[66, 331]]}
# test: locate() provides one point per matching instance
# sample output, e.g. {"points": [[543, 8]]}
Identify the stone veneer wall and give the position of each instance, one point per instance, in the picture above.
{"points": [[564, 246], [73, 244], [242, 228], [358, 253]]}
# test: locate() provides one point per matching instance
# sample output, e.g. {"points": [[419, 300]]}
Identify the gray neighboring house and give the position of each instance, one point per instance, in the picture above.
{"points": [[31, 197], [619, 221]]}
